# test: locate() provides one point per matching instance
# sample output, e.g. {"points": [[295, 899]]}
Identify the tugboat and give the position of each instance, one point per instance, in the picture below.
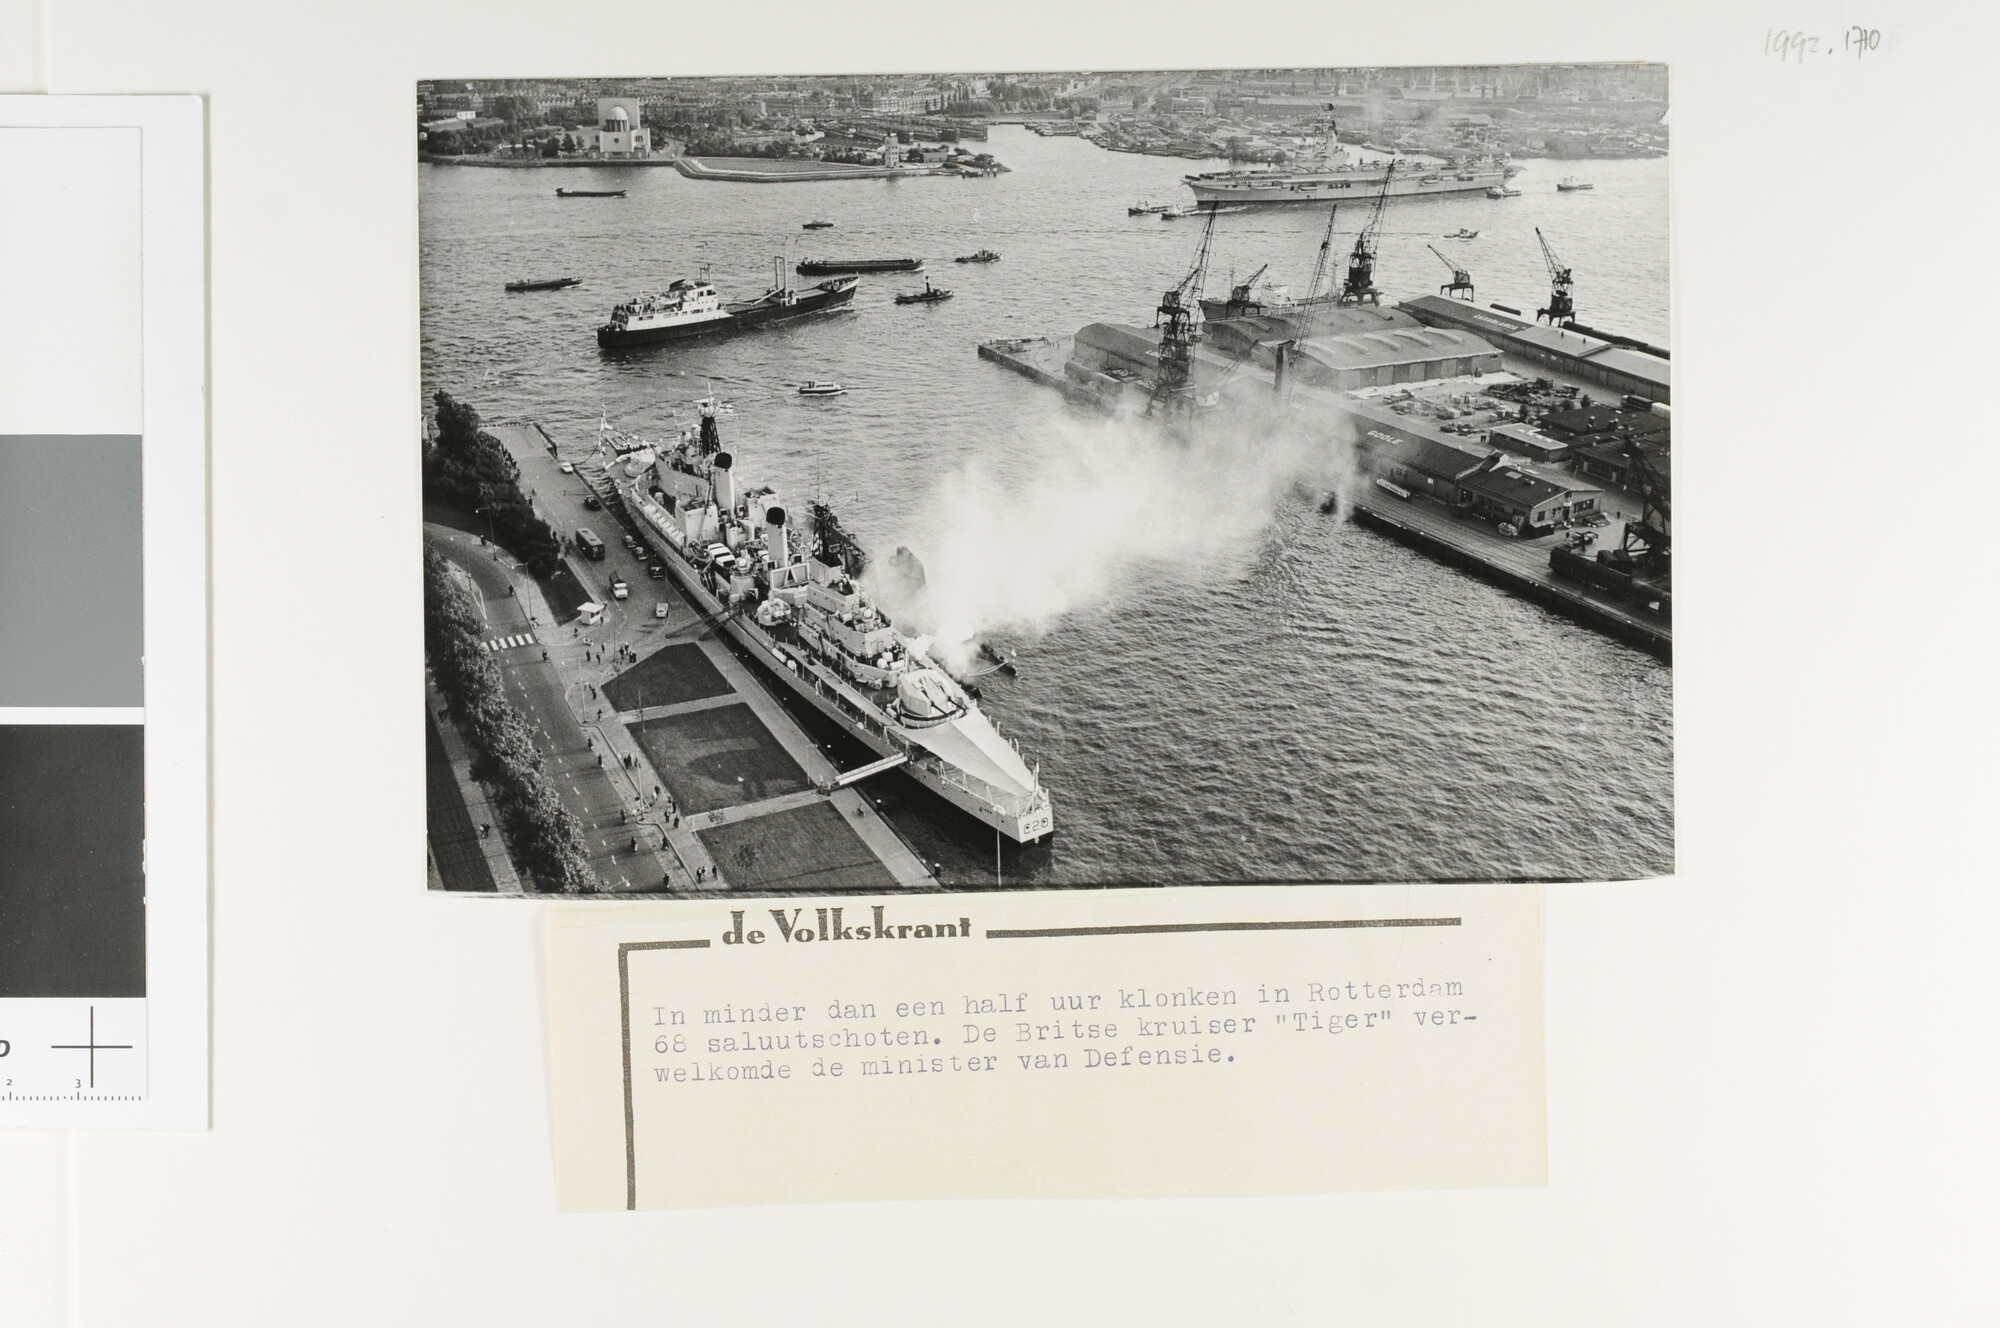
{"points": [[816, 388], [788, 591], [548, 283], [928, 295], [1502, 191], [694, 309], [1569, 184], [590, 193], [983, 256], [1143, 208]]}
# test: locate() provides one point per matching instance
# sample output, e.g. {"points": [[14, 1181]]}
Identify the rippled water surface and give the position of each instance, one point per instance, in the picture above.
{"points": [[1216, 688]]}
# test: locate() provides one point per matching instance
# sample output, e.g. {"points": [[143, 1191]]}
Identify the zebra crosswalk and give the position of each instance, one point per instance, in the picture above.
{"points": [[500, 643]]}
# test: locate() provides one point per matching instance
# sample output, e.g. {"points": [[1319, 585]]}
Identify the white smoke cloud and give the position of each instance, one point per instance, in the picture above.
{"points": [[1094, 507]]}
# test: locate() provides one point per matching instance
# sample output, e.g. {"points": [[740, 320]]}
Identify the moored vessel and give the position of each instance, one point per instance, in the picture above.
{"points": [[783, 583], [1570, 184], [816, 388], [590, 193], [982, 256]]}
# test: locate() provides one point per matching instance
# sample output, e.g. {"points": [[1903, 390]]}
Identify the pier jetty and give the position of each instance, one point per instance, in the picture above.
{"points": [[702, 753]]}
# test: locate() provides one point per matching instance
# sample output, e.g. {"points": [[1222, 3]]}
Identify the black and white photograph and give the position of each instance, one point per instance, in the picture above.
{"points": [[1043, 480]]}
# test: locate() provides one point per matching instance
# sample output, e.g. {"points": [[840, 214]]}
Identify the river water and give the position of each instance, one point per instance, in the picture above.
{"points": [[1218, 681]]}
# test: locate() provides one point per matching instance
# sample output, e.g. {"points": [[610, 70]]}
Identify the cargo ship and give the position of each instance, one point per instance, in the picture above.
{"points": [[786, 589], [1328, 175], [695, 309]]}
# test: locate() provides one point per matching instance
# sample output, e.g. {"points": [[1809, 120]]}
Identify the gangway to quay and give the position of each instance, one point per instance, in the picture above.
{"points": [[861, 772]]}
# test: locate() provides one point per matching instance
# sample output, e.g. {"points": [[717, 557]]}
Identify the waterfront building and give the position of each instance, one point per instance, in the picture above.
{"points": [[619, 132], [1350, 357], [1526, 440], [1532, 501]]}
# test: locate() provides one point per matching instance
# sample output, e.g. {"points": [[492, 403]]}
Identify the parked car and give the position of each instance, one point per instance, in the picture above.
{"points": [[657, 571], [660, 609], [619, 590], [569, 468], [590, 503]]}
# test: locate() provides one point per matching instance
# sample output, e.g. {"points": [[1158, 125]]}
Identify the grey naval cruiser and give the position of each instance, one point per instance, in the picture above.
{"points": [[1328, 175], [787, 590]]}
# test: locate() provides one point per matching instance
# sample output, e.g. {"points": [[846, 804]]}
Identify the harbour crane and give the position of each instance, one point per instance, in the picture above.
{"points": [[1175, 317], [1359, 288], [1561, 310], [1240, 302], [1461, 280]]}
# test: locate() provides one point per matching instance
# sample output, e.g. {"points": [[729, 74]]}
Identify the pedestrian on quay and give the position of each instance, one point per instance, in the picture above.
{"points": [[635, 843]]}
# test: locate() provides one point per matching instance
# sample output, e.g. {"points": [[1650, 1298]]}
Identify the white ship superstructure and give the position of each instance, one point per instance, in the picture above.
{"points": [[678, 306], [782, 584], [1330, 175]]}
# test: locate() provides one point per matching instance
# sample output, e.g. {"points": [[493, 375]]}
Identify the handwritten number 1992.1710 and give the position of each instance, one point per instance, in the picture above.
{"points": [[1785, 44]]}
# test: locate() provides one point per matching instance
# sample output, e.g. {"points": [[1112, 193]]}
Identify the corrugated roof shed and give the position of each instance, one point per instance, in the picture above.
{"points": [[1397, 346], [1636, 363], [1135, 344], [1560, 339], [1390, 443], [1459, 313]]}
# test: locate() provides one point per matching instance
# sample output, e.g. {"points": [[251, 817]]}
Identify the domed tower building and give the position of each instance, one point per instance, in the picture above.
{"points": [[619, 133]]}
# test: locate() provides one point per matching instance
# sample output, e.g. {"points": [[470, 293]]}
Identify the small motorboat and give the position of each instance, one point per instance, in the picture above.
{"points": [[1462, 234], [1142, 208], [928, 295], [547, 283], [817, 225], [1569, 184], [590, 193], [1502, 191], [816, 388], [983, 256]]}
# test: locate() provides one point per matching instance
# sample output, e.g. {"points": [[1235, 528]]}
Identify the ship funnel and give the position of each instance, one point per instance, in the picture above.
{"points": [[725, 483], [774, 536]]}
